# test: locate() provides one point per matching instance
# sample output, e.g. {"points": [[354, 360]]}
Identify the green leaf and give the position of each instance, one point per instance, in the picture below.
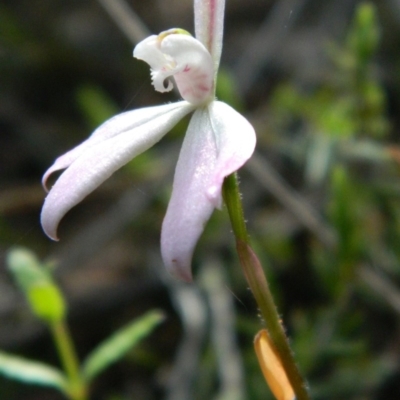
{"points": [[43, 295], [114, 348], [33, 372]]}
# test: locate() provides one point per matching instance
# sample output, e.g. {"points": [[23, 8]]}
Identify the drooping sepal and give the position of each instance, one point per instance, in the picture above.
{"points": [[110, 147], [218, 142]]}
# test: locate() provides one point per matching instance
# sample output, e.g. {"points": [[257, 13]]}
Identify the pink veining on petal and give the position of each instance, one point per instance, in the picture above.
{"points": [[197, 87], [209, 25], [194, 70]]}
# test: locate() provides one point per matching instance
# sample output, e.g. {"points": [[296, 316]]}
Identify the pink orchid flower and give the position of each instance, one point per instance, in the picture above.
{"points": [[218, 140]]}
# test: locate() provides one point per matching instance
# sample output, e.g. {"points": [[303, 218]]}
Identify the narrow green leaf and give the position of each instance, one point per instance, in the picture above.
{"points": [[33, 372], [43, 295], [114, 348]]}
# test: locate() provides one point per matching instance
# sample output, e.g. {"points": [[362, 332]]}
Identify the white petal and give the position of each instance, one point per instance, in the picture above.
{"points": [[209, 26], [114, 126], [236, 140], [120, 142], [148, 50], [218, 142]]}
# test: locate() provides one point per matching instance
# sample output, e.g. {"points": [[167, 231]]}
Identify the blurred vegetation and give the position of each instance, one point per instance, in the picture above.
{"points": [[325, 106], [48, 305]]}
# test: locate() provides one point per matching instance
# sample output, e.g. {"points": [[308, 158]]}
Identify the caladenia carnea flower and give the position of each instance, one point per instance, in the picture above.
{"points": [[218, 140]]}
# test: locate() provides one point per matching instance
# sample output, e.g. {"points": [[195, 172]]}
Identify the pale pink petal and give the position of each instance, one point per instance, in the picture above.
{"points": [[209, 26], [218, 142], [114, 126], [99, 161], [236, 140]]}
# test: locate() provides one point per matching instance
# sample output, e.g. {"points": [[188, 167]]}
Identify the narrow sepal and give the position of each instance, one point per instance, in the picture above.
{"points": [[116, 125], [108, 149], [209, 26]]}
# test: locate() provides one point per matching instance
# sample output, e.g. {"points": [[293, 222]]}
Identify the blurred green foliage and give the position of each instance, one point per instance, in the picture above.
{"points": [[32, 372], [95, 105], [47, 303], [350, 106], [341, 144], [34, 280], [335, 142], [115, 347]]}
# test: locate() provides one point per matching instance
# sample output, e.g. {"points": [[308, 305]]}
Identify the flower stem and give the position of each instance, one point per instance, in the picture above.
{"points": [[257, 281], [69, 360]]}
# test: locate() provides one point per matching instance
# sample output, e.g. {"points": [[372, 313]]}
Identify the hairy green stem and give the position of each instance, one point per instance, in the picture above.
{"points": [[69, 360], [257, 281]]}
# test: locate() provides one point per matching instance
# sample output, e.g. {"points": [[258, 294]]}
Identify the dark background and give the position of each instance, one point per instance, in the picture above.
{"points": [[321, 197]]}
